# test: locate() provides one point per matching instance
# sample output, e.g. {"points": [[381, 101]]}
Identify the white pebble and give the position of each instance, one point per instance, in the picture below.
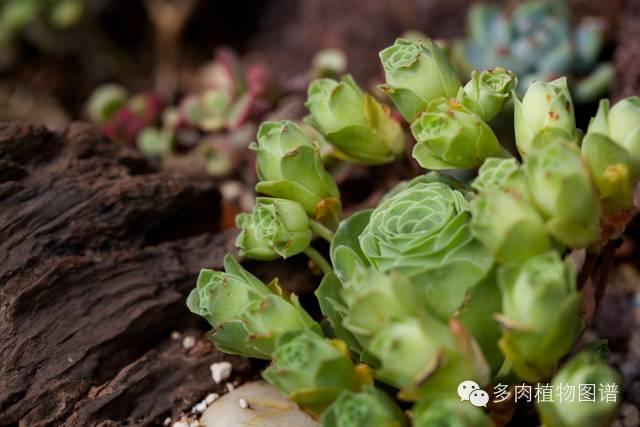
{"points": [[243, 403], [188, 342], [199, 407], [175, 335], [167, 421], [231, 190], [211, 397], [220, 371]]}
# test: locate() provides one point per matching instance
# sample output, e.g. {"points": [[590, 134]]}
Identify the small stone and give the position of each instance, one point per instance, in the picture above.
{"points": [[167, 421], [188, 342], [231, 190], [199, 407], [269, 408], [211, 397], [175, 335], [220, 371]]}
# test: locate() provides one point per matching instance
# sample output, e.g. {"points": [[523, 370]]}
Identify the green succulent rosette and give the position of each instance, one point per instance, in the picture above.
{"points": [[154, 142], [358, 127], [247, 316], [417, 72], [597, 391], [275, 228], [376, 299], [538, 41], [426, 358], [540, 314], [105, 101], [370, 407], [611, 148], [562, 189], [487, 91], [502, 175], [449, 136], [449, 413], [507, 223], [290, 167], [422, 229], [544, 106], [313, 371]]}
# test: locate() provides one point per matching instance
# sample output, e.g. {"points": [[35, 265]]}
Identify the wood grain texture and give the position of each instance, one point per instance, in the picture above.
{"points": [[98, 253]]}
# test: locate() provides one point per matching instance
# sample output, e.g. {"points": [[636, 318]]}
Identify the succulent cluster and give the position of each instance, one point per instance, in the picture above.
{"points": [[230, 96], [17, 15], [442, 282], [536, 41]]}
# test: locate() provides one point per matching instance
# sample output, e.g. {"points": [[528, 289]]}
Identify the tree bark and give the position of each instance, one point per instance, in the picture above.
{"points": [[98, 252]]}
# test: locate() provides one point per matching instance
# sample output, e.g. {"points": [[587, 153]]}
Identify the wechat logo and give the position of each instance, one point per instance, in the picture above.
{"points": [[470, 390]]}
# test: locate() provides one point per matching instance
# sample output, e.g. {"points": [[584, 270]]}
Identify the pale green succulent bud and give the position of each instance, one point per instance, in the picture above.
{"points": [[506, 223], [427, 359], [353, 122], [501, 174], [289, 167], [422, 229], [545, 105], [375, 299], [154, 142], [597, 387], [540, 314], [621, 123], [247, 316], [624, 127], [370, 407], [417, 72], [487, 92], [451, 137], [313, 371], [221, 297], [276, 227], [614, 163], [562, 190], [105, 101], [449, 413]]}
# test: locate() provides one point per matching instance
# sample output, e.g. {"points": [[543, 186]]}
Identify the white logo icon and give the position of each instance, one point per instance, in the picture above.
{"points": [[466, 388], [479, 398]]}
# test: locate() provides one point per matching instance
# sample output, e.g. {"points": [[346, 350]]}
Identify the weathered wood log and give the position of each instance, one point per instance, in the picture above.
{"points": [[98, 251]]}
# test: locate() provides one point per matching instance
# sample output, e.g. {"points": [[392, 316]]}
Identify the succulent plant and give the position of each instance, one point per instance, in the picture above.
{"points": [[16, 15], [275, 228], [597, 386], [246, 315], [449, 413], [562, 189], [359, 128], [417, 72], [540, 314], [441, 284], [313, 371], [536, 41], [449, 136], [487, 92], [544, 106], [370, 407], [612, 150], [422, 229], [289, 167]]}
